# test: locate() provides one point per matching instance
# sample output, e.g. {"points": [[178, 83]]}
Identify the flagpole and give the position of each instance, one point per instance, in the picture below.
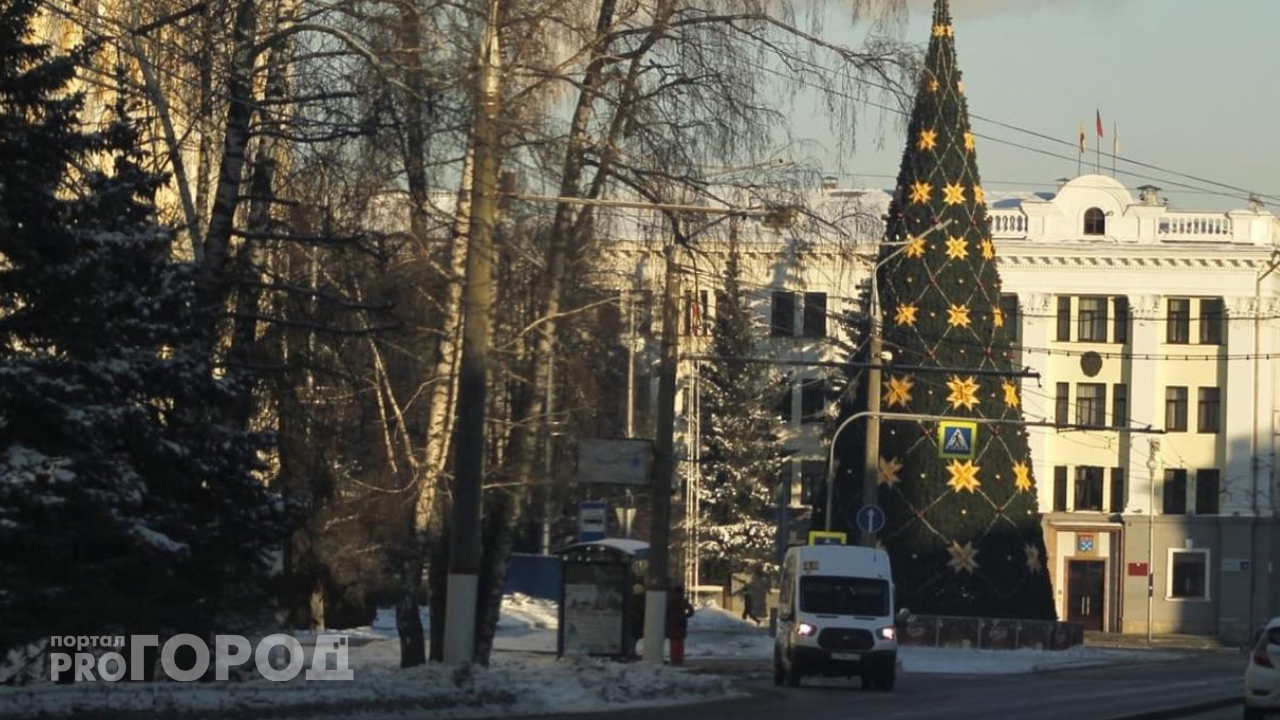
{"points": [[1115, 145], [1097, 166], [1080, 155]]}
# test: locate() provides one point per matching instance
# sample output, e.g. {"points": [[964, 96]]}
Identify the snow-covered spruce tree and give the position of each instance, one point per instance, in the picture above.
{"points": [[742, 452], [125, 506], [964, 535]]}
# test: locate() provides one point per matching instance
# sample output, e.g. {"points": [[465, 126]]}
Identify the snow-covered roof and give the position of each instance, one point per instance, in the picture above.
{"points": [[637, 548]]}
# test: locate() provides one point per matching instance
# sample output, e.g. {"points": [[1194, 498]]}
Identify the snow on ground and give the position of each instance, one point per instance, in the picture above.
{"points": [[715, 633], [512, 686], [952, 661], [525, 678]]}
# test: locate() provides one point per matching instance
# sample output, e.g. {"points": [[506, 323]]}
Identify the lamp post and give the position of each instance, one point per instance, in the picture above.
{"points": [[1153, 464]]}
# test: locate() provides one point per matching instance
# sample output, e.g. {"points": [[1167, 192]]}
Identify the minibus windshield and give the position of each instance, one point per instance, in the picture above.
{"points": [[831, 595]]}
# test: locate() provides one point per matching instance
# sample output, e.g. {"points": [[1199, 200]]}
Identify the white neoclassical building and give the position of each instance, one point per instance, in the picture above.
{"points": [[1154, 328]]}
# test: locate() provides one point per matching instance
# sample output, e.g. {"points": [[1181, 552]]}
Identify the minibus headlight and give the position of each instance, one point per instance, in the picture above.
{"points": [[887, 633], [806, 629]]}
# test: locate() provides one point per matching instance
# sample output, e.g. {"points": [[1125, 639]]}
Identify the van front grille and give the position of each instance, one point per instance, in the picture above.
{"points": [[845, 639]]}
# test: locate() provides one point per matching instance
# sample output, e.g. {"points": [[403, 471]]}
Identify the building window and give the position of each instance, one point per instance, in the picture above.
{"points": [[1120, 405], [1088, 489], [1211, 321], [783, 322], [1092, 326], [815, 314], [813, 401], [1060, 488], [1179, 330], [1175, 409], [1207, 492], [813, 474], [783, 409], [1189, 574], [1209, 410], [1091, 404], [1175, 492], [1009, 311], [695, 314], [1095, 222], [1064, 318], [1061, 403], [1119, 496], [1121, 334]]}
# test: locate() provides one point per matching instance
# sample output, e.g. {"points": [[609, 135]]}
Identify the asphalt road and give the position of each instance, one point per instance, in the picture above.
{"points": [[1087, 694]]}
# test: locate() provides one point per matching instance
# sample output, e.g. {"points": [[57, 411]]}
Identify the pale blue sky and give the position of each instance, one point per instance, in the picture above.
{"points": [[1192, 83]]}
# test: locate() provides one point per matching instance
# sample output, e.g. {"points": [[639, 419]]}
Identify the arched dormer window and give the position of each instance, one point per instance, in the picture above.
{"points": [[1095, 222]]}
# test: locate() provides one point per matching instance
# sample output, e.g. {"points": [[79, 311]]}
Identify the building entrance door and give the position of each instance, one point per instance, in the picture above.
{"points": [[1086, 583]]}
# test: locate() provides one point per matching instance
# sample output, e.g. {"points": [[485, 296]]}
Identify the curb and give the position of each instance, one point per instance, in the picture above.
{"points": [[1183, 711]]}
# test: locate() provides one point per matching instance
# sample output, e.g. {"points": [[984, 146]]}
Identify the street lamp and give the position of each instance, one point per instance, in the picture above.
{"points": [[1153, 464]]}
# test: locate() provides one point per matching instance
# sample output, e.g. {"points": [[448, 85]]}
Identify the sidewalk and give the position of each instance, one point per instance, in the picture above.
{"points": [[1164, 642]]}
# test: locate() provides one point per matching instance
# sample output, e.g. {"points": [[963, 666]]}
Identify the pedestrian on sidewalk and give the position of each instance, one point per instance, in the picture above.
{"points": [[679, 610]]}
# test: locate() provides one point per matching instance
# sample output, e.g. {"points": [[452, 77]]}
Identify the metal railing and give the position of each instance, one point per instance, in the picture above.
{"points": [[989, 634]]}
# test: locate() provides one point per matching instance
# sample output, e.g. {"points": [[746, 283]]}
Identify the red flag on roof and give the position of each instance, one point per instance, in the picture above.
{"points": [[1100, 133]]}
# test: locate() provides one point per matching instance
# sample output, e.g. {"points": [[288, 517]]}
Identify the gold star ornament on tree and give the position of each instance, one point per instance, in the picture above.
{"points": [[964, 476], [964, 392], [963, 557], [970, 143], [1022, 476], [898, 390], [958, 316], [979, 195], [988, 249], [920, 192], [889, 470], [1010, 394], [928, 139], [953, 194], [915, 247], [906, 315], [957, 248]]}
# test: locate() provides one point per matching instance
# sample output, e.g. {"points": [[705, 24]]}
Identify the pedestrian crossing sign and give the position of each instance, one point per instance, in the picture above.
{"points": [[957, 439]]}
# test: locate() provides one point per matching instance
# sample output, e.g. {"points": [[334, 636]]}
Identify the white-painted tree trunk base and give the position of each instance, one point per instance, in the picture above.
{"points": [[655, 625], [460, 619]]}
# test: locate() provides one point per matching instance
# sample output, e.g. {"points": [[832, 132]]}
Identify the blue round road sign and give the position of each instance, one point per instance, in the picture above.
{"points": [[871, 519]]}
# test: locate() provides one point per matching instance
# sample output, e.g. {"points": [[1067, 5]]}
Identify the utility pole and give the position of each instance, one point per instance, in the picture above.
{"points": [[871, 458], [477, 302], [655, 599]]}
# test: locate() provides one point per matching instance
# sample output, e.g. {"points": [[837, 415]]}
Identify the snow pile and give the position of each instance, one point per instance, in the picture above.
{"points": [[527, 624], [510, 687], [947, 661], [717, 633]]}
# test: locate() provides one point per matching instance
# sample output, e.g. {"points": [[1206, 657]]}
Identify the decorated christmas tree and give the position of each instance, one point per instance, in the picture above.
{"points": [[964, 533]]}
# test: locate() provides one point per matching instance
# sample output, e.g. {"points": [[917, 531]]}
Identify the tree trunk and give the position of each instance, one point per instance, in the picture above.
{"points": [[217, 244]]}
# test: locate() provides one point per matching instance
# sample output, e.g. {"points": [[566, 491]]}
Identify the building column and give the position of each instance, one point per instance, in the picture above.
{"points": [[1146, 406]]}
